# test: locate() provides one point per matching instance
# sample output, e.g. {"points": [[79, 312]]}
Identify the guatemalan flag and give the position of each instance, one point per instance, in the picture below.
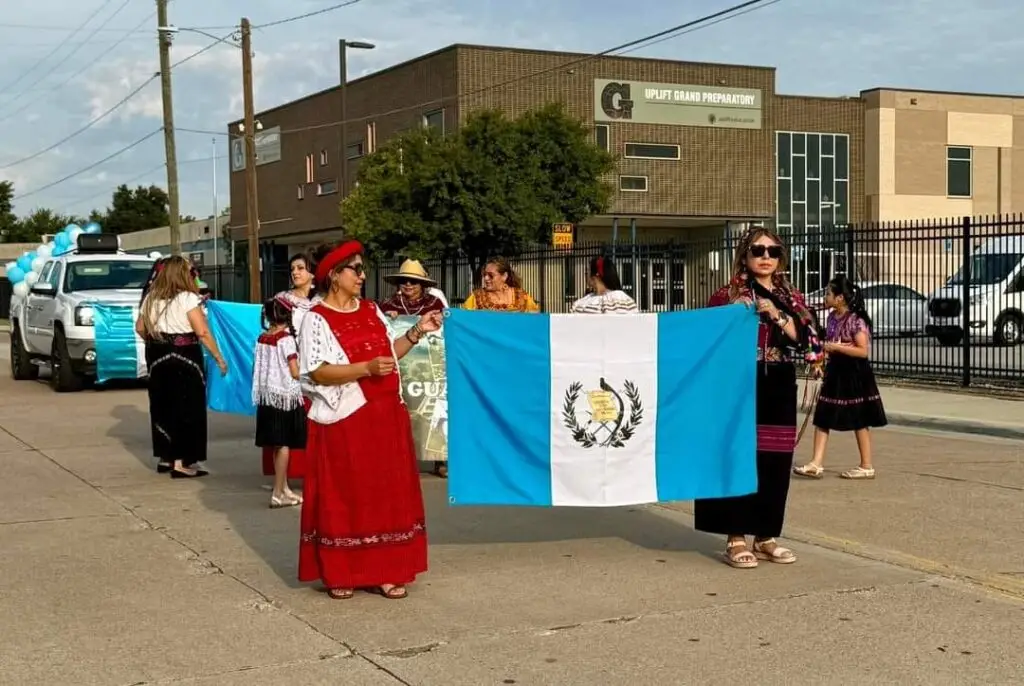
{"points": [[120, 352], [600, 410]]}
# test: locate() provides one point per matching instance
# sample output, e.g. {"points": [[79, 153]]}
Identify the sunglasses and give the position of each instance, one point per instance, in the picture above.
{"points": [[358, 269], [773, 251], [408, 282]]}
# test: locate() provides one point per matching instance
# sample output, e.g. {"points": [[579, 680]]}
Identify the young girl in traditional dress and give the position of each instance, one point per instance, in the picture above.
{"points": [[849, 399], [280, 413]]}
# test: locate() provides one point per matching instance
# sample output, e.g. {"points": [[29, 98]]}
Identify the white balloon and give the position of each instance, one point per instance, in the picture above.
{"points": [[44, 250], [21, 289], [37, 264], [155, 255], [10, 265], [31, 278]]}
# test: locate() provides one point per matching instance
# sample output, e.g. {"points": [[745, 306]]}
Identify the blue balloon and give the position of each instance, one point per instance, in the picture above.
{"points": [[92, 227], [15, 274], [25, 262], [60, 240]]}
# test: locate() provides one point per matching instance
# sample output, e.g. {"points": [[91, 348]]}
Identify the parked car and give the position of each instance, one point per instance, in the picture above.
{"points": [[996, 307], [895, 309]]}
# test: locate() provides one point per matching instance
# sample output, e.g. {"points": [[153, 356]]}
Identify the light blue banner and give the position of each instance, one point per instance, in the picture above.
{"points": [[120, 353], [235, 327]]}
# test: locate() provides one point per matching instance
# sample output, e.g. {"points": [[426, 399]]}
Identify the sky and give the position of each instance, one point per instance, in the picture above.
{"points": [[66, 62]]}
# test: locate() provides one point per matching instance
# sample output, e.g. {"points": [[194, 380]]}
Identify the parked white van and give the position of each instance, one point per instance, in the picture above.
{"points": [[996, 309]]}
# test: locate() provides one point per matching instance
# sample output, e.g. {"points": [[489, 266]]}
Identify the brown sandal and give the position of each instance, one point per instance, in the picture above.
{"points": [[393, 593], [340, 593]]}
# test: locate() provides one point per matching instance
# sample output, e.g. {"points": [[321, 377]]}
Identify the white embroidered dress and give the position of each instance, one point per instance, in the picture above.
{"points": [[319, 346], [609, 302], [272, 382]]}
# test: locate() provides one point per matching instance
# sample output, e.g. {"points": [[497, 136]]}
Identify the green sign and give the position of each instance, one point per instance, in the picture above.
{"points": [[425, 389], [641, 102]]}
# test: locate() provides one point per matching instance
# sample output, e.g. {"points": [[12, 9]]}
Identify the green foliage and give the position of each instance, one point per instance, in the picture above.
{"points": [[495, 186], [136, 210]]}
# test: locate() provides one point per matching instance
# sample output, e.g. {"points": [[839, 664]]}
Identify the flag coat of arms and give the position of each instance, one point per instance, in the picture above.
{"points": [[600, 410]]}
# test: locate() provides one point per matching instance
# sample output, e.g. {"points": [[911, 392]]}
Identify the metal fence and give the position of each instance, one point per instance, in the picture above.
{"points": [[922, 282]]}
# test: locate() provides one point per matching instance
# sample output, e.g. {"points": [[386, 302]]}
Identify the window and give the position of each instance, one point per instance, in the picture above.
{"points": [[323, 158], [652, 151], [301, 192], [371, 137], [309, 168], [434, 120], [106, 276], [326, 187], [633, 183], [354, 151], [601, 137], [958, 172]]}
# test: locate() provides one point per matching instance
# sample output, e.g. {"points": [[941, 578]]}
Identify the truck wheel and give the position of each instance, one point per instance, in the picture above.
{"points": [[63, 378], [22, 368], [1009, 329]]}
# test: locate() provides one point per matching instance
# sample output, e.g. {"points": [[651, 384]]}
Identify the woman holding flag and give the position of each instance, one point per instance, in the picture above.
{"points": [[363, 523], [787, 332]]}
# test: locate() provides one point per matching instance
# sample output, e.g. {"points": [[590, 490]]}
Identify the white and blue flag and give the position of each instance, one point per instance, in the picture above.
{"points": [[120, 352], [600, 410]]}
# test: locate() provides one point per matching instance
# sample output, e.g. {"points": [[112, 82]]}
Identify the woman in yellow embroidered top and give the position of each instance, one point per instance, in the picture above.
{"points": [[502, 290]]}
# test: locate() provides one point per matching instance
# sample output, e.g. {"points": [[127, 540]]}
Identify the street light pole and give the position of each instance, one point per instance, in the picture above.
{"points": [[170, 151], [343, 46], [249, 136], [216, 219]]}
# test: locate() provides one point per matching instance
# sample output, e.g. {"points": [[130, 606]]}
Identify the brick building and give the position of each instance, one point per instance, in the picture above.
{"points": [[697, 143]]}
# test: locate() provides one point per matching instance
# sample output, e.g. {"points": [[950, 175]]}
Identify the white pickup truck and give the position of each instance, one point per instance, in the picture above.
{"points": [[53, 325]]}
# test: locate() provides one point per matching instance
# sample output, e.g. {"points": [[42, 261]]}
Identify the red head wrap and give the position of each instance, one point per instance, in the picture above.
{"points": [[600, 267], [336, 257]]}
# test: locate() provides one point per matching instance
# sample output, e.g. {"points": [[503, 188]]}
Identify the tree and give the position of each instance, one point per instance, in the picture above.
{"points": [[136, 210], [42, 221], [8, 220], [495, 186]]}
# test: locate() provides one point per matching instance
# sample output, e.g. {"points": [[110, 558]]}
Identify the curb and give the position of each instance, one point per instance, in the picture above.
{"points": [[949, 425]]}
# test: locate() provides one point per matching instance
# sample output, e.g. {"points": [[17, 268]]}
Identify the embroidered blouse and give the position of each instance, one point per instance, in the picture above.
{"points": [[609, 302], [319, 346], [272, 382], [401, 305], [843, 329], [768, 342], [480, 299]]}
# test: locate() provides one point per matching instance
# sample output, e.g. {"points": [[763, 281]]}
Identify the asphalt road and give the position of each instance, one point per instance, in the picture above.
{"points": [[923, 357]]}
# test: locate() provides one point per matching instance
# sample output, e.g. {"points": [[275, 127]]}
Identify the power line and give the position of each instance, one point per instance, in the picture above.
{"points": [[89, 167], [56, 49], [703, 26], [85, 67], [148, 172], [112, 109], [651, 39], [307, 15], [37, 27]]}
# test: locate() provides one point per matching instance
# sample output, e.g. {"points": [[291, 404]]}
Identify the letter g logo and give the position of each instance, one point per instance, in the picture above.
{"points": [[615, 101]]}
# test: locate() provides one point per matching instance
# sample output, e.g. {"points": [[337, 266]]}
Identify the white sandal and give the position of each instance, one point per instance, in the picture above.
{"points": [[277, 502], [743, 559], [810, 470], [777, 554], [859, 473]]}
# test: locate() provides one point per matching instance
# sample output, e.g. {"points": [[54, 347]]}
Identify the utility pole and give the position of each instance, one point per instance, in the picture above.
{"points": [[164, 38], [249, 135]]}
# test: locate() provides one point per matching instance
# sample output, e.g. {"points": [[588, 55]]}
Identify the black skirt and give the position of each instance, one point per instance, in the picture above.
{"points": [[761, 514], [849, 399], [177, 398], [276, 428]]}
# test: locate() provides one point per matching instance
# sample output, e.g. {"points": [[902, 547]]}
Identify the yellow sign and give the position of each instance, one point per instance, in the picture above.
{"points": [[602, 406], [562, 235]]}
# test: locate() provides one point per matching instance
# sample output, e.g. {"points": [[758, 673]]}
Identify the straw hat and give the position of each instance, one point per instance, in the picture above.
{"points": [[411, 270]]}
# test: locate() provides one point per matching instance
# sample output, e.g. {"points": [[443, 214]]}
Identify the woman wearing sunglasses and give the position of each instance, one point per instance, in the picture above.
{"points": [[362, 518], [416, 292], [787, 333]]}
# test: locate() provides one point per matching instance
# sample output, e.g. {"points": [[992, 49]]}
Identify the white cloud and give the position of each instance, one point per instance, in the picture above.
{"points": [[821, 47]]}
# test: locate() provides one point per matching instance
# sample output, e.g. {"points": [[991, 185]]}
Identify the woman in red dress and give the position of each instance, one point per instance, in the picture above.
{"points": [[363, 524]]}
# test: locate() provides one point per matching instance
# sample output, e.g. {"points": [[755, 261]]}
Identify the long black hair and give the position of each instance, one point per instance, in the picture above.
{"points": [[603, 268], [852, 296], [276, 312]]}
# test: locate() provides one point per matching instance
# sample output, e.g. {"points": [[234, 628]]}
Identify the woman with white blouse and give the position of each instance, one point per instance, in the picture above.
{"points": [[606, 295]]}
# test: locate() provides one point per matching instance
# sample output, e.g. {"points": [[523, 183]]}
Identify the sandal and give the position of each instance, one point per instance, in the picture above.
{"points": [[859, 473], [393, 593], [741, 559], [810, 470], [441, 470], [770, 550], [340, 593], [284, 500]]}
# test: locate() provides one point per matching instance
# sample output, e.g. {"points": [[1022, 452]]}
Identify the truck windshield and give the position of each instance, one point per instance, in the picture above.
{"points": [[988, 269], [106, 276]]}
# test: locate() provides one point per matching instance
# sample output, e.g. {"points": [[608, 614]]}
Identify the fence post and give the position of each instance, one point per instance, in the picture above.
{"points": [[851, 258], [965, 302]]}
